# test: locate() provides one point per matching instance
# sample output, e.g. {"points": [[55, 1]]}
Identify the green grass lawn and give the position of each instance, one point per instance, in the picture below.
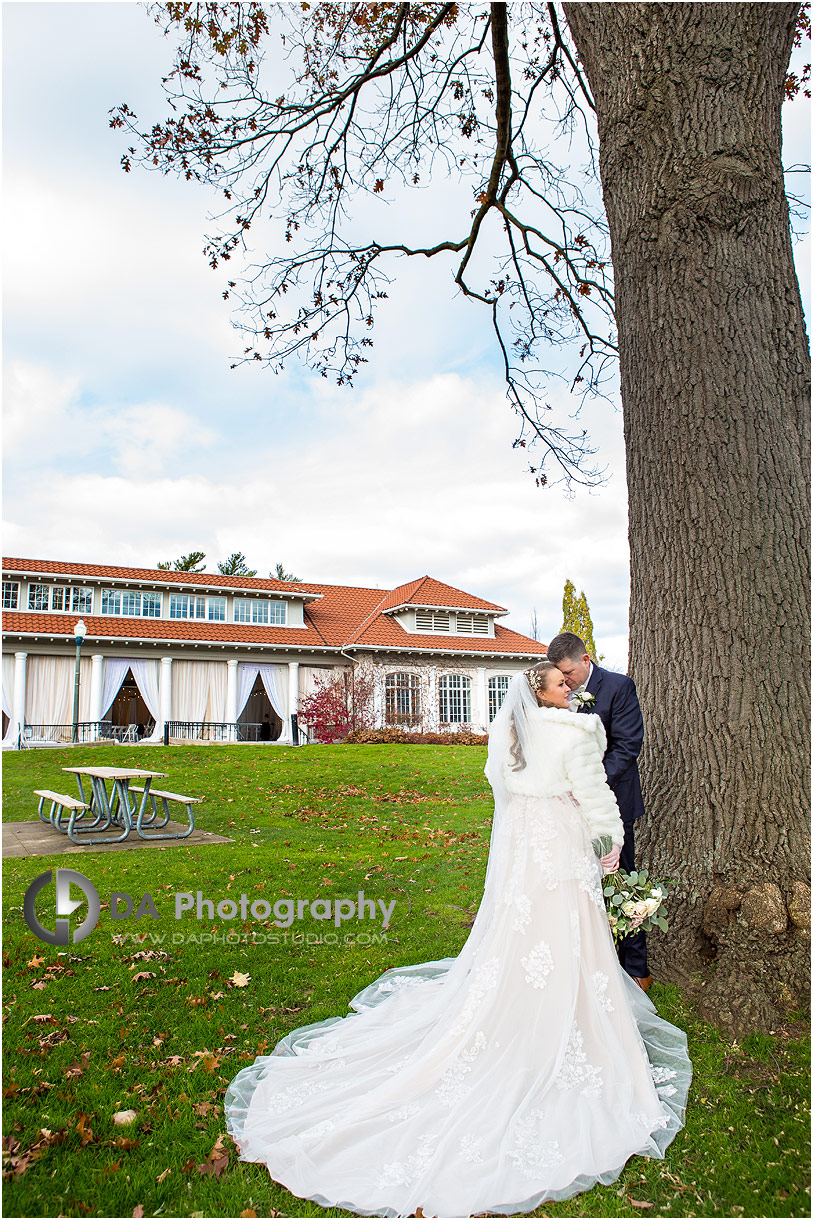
{"points": [[156, 1016]]}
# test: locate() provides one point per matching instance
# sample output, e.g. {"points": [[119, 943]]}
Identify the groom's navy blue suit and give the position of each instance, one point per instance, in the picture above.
{"points": [[616, 702]]}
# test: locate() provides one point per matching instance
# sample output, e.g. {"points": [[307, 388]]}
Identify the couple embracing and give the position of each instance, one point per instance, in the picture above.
{"points": [[613, 698], [529, 1067]]}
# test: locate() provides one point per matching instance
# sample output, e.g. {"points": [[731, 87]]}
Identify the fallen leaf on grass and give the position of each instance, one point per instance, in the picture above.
{"points": [[143, 974], [163, 1175], [138, 1212], [217, 1160], [35, 962], [15, 1162], [85, 1130], [123, 1118], [249, 1211], [239, 980], [638, 1203], [77, 1068]]}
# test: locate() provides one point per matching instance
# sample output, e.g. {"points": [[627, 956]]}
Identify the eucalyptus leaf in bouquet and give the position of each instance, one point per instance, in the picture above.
{"points": [[633, 900]]}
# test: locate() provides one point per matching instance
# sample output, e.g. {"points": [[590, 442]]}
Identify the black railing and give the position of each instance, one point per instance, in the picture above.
{"points": [[32, 735], [198, 730], [253, 731], [207, 730]]}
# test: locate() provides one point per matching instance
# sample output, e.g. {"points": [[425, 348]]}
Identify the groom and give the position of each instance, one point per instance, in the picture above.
{"points": [[616, 702]]}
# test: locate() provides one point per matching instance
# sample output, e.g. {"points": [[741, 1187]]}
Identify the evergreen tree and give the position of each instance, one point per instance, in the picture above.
{"points": [[280, 573], [236, 565], [193, 562], [576, 618]]}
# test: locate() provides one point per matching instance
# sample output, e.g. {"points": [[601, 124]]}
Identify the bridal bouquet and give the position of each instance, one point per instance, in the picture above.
{"points": [[632, 900]]}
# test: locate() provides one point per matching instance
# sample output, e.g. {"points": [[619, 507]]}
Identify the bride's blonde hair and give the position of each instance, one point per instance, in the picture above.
{"points": [[538, 678]]}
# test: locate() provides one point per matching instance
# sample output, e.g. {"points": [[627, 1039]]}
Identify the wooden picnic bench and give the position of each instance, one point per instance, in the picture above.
{"points": [[59, 803], [165, 797]]}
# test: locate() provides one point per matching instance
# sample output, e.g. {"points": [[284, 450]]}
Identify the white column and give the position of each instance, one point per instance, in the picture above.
{"points": [[231, 699], [293, 699], [18, 706], [482, 698], [96, 692], [378, 702], [165, 693], [433, 714]]}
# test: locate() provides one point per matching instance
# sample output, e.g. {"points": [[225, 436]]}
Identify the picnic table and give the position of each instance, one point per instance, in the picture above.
{"points": [[116, 809], [111, 810]]}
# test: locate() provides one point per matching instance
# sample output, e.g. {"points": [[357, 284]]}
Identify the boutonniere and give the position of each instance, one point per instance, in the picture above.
{"points": [[585, 699]]}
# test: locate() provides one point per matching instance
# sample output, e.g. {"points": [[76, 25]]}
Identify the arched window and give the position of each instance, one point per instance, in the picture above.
{"points": [[403, 702], [497, 690], [455, 699]]}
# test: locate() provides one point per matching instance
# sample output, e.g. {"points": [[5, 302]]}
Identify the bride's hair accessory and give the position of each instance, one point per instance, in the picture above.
{"points": [[538, 676]]}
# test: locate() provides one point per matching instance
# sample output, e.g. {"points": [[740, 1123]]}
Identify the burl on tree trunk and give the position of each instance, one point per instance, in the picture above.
{"points": [[715, 389]]}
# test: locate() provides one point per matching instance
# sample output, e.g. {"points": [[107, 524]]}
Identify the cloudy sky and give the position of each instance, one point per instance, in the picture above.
{"points": [[128, 439]]}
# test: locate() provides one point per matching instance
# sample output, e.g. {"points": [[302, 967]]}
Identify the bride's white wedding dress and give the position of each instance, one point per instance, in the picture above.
{"points": [[527, 1068]]}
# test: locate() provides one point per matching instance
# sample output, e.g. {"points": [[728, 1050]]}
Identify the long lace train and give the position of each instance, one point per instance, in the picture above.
{"points": [[527, 1068]]}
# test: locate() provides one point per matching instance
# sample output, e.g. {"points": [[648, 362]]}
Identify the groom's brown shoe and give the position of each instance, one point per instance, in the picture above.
{"points": [[644, 983]]}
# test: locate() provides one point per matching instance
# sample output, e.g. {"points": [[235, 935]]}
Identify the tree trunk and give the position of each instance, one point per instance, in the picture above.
{"points": [[715, 389]]}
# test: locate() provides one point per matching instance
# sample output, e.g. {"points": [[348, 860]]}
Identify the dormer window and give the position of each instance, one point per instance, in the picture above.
{"points": [[433, 620], [472, 624]]}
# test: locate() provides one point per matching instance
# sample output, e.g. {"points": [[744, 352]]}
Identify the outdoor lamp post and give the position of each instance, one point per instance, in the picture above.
{"points": [[79, 633]]}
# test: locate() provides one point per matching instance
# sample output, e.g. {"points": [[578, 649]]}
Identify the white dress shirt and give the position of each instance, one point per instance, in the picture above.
{"points": [[572, 701]]}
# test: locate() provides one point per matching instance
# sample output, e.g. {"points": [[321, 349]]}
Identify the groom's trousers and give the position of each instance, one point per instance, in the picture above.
{"points": [[632, 949]]}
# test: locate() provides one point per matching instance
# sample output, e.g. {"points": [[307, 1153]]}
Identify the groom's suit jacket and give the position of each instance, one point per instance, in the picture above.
{"points": [[616, 702]]}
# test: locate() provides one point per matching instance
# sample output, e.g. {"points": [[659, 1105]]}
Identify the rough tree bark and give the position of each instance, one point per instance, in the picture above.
{"points": [[715, 389]]}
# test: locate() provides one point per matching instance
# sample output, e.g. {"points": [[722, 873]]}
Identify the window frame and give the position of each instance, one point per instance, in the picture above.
{"points": [[11, 590], [35, 593], [494, 688], [247, 610], [401, 685], [454, 689]]}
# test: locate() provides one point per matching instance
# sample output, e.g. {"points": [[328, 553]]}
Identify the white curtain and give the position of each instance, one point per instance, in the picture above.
{"points": [[8, 684], [145, 674], [49, 691], [115, 671], [199, 690], [190, 689], [8, 696], [275, 681], [247, 674], [216, 704]]}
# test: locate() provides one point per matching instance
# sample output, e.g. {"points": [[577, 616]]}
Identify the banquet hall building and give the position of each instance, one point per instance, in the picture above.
{"points": [[216, 657]]}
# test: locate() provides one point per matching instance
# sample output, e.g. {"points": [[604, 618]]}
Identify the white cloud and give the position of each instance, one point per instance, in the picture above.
{"points": [[415, 479], [47, 427]]}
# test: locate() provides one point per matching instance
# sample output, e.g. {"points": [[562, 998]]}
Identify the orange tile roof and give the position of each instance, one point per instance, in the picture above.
{"points": [[342, 616], [104, 628], [202, 580], [426, 591]]}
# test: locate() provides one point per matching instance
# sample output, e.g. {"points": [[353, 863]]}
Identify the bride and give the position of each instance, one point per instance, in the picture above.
{"points": [[527, 1068]]}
